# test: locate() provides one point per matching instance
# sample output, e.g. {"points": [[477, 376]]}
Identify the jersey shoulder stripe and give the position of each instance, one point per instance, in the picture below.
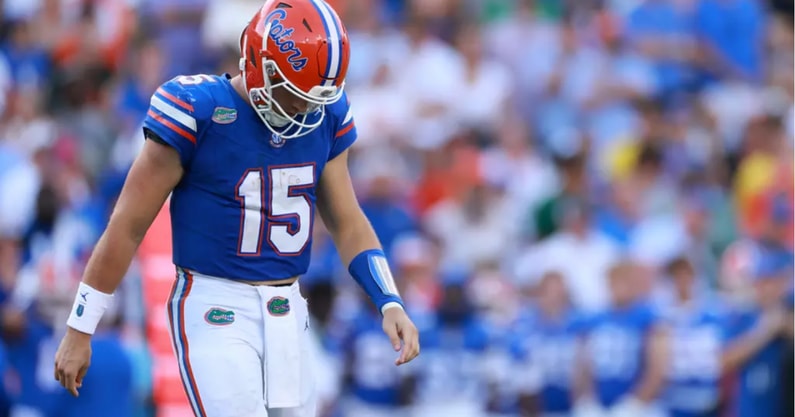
{"points": [[166, 108], [179, 112]]}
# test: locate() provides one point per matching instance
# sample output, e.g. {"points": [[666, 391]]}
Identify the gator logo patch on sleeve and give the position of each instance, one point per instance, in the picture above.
{"points": [[224, 116], [219, 317], [278, 306]]}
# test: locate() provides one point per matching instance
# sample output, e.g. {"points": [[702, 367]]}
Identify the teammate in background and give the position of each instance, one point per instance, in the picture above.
{"points": [[546, 351], [756, 340], [377, 389], [625, 351], [109, 388], [33, 322], [32, 340], [30, 343], [453, 380], [696, 321], [246, 159]]}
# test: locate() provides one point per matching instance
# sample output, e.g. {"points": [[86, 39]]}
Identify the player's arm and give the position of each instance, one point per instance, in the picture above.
{"points": [[353, 235], [172, 126], [657, 360], [341, 213], [745, 344], [155, 172], [360, 249], [583, 387], [584, 390], [527, 382], [653, 378]]}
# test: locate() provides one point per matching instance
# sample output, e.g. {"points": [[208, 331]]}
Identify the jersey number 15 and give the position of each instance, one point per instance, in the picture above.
{"points": [[288, 213]]}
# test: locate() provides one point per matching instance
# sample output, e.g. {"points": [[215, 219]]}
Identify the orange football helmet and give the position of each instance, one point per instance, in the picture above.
{"points": [[301, 46]]}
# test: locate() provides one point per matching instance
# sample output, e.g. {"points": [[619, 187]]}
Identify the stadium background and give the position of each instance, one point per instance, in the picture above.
{"points": [[499, 141]]}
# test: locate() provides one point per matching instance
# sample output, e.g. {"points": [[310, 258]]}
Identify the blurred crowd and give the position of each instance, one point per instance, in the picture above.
{"points": [[588, 204]]}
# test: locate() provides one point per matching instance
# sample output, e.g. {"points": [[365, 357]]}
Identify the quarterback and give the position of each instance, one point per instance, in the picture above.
{"points": [[246, 160]]}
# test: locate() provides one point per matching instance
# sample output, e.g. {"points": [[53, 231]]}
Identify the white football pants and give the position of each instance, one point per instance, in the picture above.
{"points": [[224, 335]]}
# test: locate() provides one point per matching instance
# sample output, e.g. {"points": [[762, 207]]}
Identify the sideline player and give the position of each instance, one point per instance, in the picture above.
{"points": [[696, 320], [246, 160]]}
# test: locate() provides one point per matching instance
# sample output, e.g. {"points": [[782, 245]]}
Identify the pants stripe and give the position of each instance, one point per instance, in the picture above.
{"points": [[176, 315]]}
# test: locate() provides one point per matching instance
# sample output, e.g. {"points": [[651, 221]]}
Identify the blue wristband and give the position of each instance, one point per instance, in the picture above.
{"points": [[371, 270]]}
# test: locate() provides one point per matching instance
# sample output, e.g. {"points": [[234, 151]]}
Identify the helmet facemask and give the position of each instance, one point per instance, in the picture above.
{"points": [[273, 114]]}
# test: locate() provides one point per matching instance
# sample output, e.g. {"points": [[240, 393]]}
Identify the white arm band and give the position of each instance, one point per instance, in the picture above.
{"points": [[389, 305], [88, 308]]}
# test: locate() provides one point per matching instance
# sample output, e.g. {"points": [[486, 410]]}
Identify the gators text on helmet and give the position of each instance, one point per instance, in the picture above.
{"points": [[298, 45]]}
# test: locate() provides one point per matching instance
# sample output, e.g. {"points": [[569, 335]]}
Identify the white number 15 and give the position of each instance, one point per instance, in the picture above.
{"points": [[288, 204]]}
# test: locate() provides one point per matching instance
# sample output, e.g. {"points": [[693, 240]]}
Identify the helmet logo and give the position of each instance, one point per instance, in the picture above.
{"points": [[281, 37]]}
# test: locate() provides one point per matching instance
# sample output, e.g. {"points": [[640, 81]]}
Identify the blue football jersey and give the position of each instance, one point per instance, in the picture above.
{"points": [[245, 206], [452, 362], [616, 350], [374, 378], [694, 375], [550, 345], [758, 390], [108, 387], [30, 358], [5, 402]]}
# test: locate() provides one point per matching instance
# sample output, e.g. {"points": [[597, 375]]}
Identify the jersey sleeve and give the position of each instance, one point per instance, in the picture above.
{"points": [[736, 325], [345, 129], [176, 117]]}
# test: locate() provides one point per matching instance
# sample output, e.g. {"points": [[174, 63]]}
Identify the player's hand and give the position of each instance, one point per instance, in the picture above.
{"points": [[773, 321], [398, 326], [72, 360]]}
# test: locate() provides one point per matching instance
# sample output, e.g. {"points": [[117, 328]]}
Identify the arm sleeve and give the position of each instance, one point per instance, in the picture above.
{"points": [[175, 118], [345, 129]]}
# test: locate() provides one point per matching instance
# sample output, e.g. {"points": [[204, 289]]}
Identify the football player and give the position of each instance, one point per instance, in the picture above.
{"points": [[455, 371], [546, 351], [246, 160], [696, 320], [755, 338], [624, 356], [375, 388]]}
